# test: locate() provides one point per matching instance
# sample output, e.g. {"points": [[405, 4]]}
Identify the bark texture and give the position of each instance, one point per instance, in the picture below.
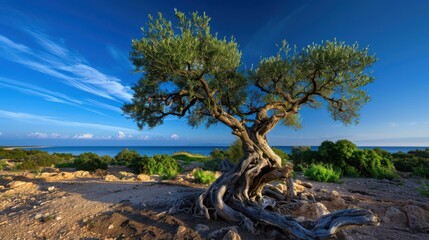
{"points": [[239, 196]]}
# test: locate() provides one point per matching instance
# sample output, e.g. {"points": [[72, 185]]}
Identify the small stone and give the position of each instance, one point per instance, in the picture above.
{"points": [[51, 189], [143, 177], [335, 193], [58, 218], [1, 187], [110, 226], [181, 230], [111, 177], [3, 223], [307, 184], [39, 215], [298, 182], [201, 228]]}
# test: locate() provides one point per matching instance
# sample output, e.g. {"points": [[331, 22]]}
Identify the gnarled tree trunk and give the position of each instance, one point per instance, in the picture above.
{"points": [[237, 196]]}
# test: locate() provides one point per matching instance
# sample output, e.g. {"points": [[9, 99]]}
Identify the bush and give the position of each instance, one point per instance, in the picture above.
{"points": [[126, 156], [351, 171], [205, 177], [424, 189], [322, 173], [235, 151], [163, 165], [35, 159], [283, 155], [187, 157], [213, 164], [421, 171], [302, 157], [217, 153], [89, 161]]}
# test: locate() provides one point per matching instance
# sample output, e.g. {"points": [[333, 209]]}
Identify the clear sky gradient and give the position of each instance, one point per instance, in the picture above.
{"points": [[65, 73]]}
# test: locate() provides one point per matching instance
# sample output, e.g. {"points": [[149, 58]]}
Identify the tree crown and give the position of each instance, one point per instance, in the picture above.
{"points": [[190, 72]]}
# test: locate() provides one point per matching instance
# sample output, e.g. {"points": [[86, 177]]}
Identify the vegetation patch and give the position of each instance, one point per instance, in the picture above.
{"points": [[163, 165], [322, 173], [204, 177], [188, 158]]}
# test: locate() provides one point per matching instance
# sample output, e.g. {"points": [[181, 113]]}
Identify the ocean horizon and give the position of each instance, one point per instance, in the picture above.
{"points": [[203, 150]]}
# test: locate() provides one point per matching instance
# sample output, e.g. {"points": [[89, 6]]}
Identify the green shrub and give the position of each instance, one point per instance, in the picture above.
{"points": [[2, 165], [204, 177], [217, 154], [235, 151], [163, 165], [89, 161], [351, 171], [421, 171], [35, 159], [213, 164], [424, 189], [125, 157], [282, 154], [302, 157], [322, 173]]}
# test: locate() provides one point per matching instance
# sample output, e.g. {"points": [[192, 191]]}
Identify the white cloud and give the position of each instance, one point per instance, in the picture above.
{"points": [[121, 135], [144, 137], [38, 135], [174, 136], [84, 136], [58, 122], [57, 135], [59, 62]]}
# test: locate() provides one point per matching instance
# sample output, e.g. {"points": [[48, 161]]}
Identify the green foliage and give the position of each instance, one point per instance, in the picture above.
{"points": [[213, 164], [204, 177], [163, 165], [302, 157], [3, 164], [35, 159], [424, 189], [217, 153], [187, 158], [416, 161], [235, 151], [282, 154], [322, 173], [89, 161], [351, 171], [126, 156], [14, 154]]}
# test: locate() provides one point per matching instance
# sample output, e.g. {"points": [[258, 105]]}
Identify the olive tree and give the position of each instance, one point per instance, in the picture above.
{"points": [[189, 72]]}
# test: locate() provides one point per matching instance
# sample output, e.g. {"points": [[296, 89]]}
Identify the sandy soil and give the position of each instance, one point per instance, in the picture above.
{"points": [[87, 206]]}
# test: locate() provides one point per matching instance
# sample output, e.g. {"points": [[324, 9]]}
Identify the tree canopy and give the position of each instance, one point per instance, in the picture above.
{"points": [[187, 71]]}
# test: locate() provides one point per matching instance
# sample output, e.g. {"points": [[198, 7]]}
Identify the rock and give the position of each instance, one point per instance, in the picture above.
{"points": [[21, 185], [218, 174], [312, 210], [231, 235], [81, 173], [1, 187], [181, 230], [201, 228], [307, 184], [58, 218], [3, 223], [396, 216], [126, 174], [349, 198], [111, 177], [38, 216], [59, 176], [220, 233], [143, 177], [335, 204], [51, 189], [180, 179], [335, 194], [298, 188], [110, 226], [418, 218], [298, 182]]}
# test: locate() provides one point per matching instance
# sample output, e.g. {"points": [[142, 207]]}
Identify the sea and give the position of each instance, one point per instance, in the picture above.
{"points": [[203, 150]]}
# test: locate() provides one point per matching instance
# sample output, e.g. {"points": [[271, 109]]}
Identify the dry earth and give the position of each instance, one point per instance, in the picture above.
{"points": [[119, 205]]}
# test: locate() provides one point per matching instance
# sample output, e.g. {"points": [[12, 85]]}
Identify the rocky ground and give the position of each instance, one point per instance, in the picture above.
{"points": [[116, 204]]}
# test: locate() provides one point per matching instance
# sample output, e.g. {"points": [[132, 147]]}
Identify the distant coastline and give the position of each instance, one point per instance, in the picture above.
{"points": [[152, 150], [22, 147]]}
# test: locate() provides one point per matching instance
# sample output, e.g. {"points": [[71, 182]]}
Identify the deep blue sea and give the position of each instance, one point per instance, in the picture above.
{"points": [[152, 150]]}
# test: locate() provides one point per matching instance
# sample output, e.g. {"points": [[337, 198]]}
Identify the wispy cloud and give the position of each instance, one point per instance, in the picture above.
{"points": [[392, 124], [19, 116], [174, 136], [119, 56], [55, 60], [38, 135], [84, 136], [103, 105]]}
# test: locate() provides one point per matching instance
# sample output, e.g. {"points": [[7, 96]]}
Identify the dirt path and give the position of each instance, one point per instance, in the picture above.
{"points": [[87, 206]]}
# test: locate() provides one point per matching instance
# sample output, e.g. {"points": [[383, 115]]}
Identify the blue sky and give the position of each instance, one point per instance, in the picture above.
{"points": [[65, 73]]}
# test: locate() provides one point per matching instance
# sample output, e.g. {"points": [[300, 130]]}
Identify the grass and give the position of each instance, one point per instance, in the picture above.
{"points": [[187, 157], [424, 189], [322, 173]]}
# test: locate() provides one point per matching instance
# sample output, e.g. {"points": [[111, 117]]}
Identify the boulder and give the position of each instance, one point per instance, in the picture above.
{"points": [[418, 218], [126, 174], [307, 184], [81, 173], [143, 177], [312, 210], [110, 177], [396, 216], [21, 185]]}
